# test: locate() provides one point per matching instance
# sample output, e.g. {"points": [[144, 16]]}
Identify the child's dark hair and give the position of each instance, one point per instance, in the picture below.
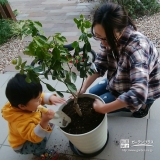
{"points": [[18, 91]]}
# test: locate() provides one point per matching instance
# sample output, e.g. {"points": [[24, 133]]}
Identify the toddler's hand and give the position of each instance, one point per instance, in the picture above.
{"points": [[54, 100], [46, 117]]}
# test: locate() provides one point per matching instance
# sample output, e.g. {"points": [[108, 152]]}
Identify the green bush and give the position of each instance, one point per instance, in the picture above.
{"points": [[3, 2], [5, 31], [8, 29], [138, 8]]}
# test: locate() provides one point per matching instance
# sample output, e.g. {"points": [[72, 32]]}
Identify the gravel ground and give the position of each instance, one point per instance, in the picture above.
{"points": [[9, 51], [149, 26]]}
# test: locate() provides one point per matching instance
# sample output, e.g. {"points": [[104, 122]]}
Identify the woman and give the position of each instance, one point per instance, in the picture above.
{"points": [[131, 61]]}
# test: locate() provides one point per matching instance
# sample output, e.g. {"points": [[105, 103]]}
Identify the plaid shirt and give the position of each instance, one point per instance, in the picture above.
{"points": [[135, 77]]}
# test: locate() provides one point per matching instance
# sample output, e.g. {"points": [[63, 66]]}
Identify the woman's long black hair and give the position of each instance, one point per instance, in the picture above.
{"points": [[112, 17]]}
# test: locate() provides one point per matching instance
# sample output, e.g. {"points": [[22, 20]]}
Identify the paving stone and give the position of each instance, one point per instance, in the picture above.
{"points": [[69, 33], [128, 133], [38, 14], [153, 132], [81, 7], [72, 16], [3, 79], [3, 123], [56, 18], [6, 143], [36, 18], [155, 110], [53, 7], [68, 7], [72, 13], [7, 153], [48, 25]]}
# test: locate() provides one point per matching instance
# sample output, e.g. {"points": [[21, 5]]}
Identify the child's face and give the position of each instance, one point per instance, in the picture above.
{"points": [[32, 104]]}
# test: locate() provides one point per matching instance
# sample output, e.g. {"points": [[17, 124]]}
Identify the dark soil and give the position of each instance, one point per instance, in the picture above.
{"points": [[89, 120]]}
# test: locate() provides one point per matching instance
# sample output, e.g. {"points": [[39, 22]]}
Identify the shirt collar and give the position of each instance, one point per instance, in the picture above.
{"points": [[128, 31]]}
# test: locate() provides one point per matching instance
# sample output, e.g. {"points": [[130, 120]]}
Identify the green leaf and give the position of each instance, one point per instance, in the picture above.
{"points": [[88, 45], [33, 76], [50, 88], [76, 20], [89, 35], [68, 78], [87, 24], [30, 50], [56, 53], [23, 64], [40, 53], [82, 73], [17, 67], [37, 24], [62, 74], [54, 75], [38, 42], [75, 44], [19, 60], [43, 38], [46, 75], [60, 94], [81, 16], [71, 87], [28, 67], [21, 71], [28, 80], [38, 69], [74, 76]]}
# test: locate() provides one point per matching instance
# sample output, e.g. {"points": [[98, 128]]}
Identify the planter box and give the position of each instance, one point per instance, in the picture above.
{"points": [[6, 12]]}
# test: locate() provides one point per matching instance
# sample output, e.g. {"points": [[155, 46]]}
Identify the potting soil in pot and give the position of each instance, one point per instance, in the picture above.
{"points": [[89, 120]]}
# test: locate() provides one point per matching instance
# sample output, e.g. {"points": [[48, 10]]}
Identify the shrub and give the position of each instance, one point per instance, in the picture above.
{"points": [[137, 8], [3, 2], [5, 30], [9, 29]]}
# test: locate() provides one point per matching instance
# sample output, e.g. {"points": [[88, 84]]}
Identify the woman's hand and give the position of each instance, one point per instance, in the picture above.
{"points": [[55, 100], [99, 106]]}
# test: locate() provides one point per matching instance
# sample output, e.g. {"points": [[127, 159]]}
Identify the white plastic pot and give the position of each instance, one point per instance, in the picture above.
{"points": [[92, 141]]}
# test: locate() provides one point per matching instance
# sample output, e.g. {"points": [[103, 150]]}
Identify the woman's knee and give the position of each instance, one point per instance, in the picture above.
{"points": [[99, 88]]}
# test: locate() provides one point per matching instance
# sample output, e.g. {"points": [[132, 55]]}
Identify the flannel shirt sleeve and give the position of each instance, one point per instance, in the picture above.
{"points": [[139, 78]]}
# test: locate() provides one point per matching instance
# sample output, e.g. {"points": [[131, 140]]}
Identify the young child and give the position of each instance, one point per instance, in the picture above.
{"points": [[28, 127]]}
